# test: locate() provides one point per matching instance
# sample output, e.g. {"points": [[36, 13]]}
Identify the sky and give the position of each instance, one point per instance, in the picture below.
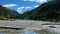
{"points": [[22, 5]]}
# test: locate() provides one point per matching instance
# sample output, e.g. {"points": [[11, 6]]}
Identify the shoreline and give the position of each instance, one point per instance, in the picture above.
{"points": [[25, 25]]}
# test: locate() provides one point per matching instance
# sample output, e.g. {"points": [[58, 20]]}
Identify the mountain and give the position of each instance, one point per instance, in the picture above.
{"points": [[49, 11], [7, 13]]}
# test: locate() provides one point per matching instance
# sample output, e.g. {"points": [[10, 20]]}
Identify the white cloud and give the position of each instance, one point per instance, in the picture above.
{"points": [[36, 6], [19, 9], [9, 5], [40, 1], [24, 0], [23, 8], [28, 7]]}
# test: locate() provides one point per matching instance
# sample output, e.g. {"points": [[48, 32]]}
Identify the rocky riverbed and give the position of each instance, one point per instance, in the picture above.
{"points": [[19, 27]]}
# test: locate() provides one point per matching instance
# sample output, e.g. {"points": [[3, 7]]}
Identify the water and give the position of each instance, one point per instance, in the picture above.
{"points": [[28, 32], [32, 21]]}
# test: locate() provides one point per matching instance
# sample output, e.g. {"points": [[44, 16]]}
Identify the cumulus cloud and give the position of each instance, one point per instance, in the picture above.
{"points": [[24, 8], [36, 6], [20, 9], [40, 1], [24, 0], [9, 5], [28, 7]]}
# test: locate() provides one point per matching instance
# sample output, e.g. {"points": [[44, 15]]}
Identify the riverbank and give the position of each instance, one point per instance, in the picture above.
{"points": [[26, 25]]}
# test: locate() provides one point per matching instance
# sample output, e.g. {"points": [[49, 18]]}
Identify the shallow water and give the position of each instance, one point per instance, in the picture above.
{"points": [[27, 32]]}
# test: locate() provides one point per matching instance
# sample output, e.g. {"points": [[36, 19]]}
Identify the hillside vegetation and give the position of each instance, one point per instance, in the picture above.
{"points": [[49, 11], [6, 13]]}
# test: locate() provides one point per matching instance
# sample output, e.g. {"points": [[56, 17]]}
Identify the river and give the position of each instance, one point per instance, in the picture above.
{"points": [[29, 32]]}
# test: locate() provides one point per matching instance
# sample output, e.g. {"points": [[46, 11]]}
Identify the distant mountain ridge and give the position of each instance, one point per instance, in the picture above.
{"points": [[7, 13], [46, 12]]}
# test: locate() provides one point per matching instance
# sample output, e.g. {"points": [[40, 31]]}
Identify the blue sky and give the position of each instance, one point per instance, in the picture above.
{"points": [[22, 5]]}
